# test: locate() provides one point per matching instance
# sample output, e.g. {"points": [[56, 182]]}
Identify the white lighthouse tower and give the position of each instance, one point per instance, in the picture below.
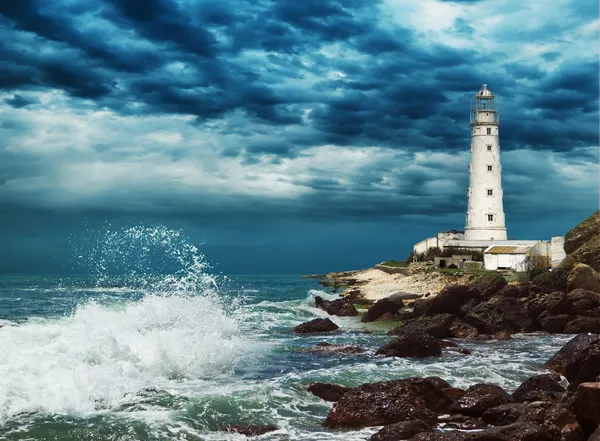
{"points": [[485, 214]]}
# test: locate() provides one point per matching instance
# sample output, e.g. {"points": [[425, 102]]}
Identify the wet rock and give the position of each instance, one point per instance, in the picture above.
{"points": [[554, 324], [316, 326], [340, 307], [596, 435], [504, 414], [390, 304], [584, 277], [479, 398], [560, 421], [553, 303], [389, 402], [421, 306], [451, 299], [327, 391], [580, 325], [414, 344], [545, 387], [251, 430], [388, 316], [436, 325], [462, 330], [571, 352], [587, 406], [500, 314], [512, 432], [333, 349], [489, 284], [460, 422], [448, 344], [401, 430], [454, 393]]}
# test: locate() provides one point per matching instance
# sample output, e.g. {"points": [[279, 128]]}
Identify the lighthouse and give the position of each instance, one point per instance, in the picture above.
{"points": [[485, 212]]}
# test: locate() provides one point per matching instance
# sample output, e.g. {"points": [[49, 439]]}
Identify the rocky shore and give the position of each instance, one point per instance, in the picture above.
{"points": [[561, 405]]}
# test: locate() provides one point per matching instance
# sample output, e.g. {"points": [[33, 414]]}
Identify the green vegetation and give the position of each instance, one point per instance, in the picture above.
{"points": [[395, 263]]}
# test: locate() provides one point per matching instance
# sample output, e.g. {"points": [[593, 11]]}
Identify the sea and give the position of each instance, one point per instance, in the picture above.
{"points": [[150, 342]]}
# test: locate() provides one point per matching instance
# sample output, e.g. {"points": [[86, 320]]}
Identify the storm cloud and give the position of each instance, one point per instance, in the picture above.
{"points": [[287, 116]]}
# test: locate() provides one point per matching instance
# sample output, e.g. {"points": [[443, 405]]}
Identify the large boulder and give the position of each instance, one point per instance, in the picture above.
{"points": [[596, 435], [500, 314], [316, 326], [390, 304], [587, 406], [584, 302], [578, 360], [580, 325], [553, 303], [582, 243], [328, 391], [415, 344], [512, 432], [436, 325], [340, 307], [504, 414], [451, 299], [557, 418], [489, 284], [554, 324], [388, 402], [401, 430], [584, 277], [544, 387], [479, 398]]}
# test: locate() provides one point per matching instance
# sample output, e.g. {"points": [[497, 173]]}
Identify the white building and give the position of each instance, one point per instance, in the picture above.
{"points": [[485, 213], [517, 257]]}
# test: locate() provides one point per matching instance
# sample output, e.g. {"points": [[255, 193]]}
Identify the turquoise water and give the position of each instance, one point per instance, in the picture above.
{"points": [[144, 356]]}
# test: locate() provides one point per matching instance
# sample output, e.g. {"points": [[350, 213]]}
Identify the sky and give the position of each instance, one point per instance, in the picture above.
{"points": [[287, 136]]}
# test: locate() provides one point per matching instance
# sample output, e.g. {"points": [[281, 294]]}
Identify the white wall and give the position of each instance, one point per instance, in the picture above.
{"points": [[424, 245], [557, 252], [517, 262]]}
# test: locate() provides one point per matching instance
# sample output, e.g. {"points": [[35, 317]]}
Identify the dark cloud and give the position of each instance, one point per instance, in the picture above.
{"points": [[19, 101]]}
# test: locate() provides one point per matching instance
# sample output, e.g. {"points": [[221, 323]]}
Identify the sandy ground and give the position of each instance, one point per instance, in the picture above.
{"points": [[376, 284]]}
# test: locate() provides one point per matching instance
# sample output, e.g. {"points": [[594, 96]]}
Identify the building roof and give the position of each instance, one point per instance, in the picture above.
{"points": [[484, 91], [504, 249], [486, 243]]}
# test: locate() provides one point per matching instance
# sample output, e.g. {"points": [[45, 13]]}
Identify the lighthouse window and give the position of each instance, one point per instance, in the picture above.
{"points": [[490, 217], [490, 191], [489, 130], [489, 168], [489, 147]]}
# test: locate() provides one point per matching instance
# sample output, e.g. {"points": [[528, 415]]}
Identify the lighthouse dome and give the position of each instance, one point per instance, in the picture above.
{"points": [[484, 92]]}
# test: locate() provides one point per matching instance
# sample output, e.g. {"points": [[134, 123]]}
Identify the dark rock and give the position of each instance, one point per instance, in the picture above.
{"points": [[554, 303], [583, 301], [596, 435], [560, 421], [421, 306], [448, 344], [460, 422], [340, 307], [437, 326], [545, 387], [544, 279], [489, 284], [454, 393], [386, 317], [583, 276], [479, 398], [251, 430], [510, 291], [580, 325], [462, 330], [389, 304], [389, 402], [583, 242], [327, 391], [467, 307], [401, 430], [504, 414], [500, 314], [316, 326], [334, 349], [571, 352], [415, 344], [451, 299], [587, 406], [554, 323], [512, 432]]}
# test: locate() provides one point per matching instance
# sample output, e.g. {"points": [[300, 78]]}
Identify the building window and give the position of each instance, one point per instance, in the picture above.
{"points": [[489, 130], [490, 217], [489, 168], [489, 147], [490, 191]]}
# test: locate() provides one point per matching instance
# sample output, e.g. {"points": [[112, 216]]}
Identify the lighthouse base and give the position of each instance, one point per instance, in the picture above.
{"points": [[497, 233]]}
